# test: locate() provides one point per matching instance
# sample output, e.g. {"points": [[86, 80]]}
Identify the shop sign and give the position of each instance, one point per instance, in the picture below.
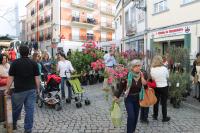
{"points": [[172, 32]]}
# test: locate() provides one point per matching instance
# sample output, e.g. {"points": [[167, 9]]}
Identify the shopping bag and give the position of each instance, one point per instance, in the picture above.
{"points": [[149, 98], [116, 115]]}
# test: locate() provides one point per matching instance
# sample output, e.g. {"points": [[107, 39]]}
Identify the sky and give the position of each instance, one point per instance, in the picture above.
{"points": [[6, 27]]}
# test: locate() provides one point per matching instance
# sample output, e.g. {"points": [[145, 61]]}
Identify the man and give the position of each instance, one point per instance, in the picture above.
{"points": [[12, 54], [109, 59], [25, 74]]}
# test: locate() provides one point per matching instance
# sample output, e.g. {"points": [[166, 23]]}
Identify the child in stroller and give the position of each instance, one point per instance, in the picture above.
{"points": [[49, 92]]}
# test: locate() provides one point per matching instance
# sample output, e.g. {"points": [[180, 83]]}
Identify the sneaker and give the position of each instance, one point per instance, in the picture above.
{"points": [[166, 119]]}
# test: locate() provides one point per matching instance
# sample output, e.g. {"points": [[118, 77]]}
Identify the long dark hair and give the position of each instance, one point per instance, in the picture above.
{"points": [[1, 57], [63, 55]]}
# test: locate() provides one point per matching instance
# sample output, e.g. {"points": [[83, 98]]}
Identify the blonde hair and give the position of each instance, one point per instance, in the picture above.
{"points": [[157, 61]]}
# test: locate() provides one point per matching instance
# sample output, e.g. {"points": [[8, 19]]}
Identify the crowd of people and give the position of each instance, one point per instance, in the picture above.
{"points": [[23, 77]]}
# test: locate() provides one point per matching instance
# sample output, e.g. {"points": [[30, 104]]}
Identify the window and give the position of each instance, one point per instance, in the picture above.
{"points": [[75, 13], [76, 1], [133, 18], [75, 34], [126, 20], [141, 12], [160, 5], [187, 1]]}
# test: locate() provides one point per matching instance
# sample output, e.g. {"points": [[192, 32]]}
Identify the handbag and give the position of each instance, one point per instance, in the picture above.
{"points": [[149, 98], [3, 81]]}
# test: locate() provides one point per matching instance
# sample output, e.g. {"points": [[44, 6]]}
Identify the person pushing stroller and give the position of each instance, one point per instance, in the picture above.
{"points": [[65, 68]]}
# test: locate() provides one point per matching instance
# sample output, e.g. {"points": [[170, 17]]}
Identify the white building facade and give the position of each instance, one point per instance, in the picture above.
{"points": [[131, 25], [173, 23]]}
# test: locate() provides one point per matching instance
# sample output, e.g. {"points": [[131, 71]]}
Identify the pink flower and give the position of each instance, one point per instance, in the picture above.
{"points": [[110, 80]]}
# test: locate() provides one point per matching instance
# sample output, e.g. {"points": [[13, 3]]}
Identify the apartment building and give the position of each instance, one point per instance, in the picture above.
{"points": [[70, 21], [130, 24], [173, 23]]}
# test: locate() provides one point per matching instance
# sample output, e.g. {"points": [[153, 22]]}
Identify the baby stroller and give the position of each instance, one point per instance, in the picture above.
{"points": [[49, 92], [78, 92]]}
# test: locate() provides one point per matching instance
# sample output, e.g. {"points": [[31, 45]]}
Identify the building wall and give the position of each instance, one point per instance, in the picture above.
{"points": [[176, 13]]}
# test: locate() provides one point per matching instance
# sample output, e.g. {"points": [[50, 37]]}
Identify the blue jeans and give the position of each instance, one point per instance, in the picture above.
{"points": [[144, 113], [132, 108], [26, 98], [64, 81]]}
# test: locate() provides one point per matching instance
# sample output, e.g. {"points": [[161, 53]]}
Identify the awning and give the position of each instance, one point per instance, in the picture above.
{"points": [[5, 44]]}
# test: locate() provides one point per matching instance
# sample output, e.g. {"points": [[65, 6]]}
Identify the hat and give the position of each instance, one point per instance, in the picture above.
{"points": [[135, 62]]}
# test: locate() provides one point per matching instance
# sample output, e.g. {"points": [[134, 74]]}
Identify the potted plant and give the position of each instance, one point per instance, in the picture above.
{"points": [[178, 86]]}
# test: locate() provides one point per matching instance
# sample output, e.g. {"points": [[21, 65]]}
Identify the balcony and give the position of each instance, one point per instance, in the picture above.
{"points": [[32, 12], [32, 26], [87, 5], [41, 38], [90, 22], [41, 22], [47, 19], [41, 6], [47, 2], [107, 26], [83, 38], [107, 11], [131, 30]]}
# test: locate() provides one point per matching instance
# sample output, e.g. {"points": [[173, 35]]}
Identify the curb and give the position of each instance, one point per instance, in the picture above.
{"points": [[191, 106]]}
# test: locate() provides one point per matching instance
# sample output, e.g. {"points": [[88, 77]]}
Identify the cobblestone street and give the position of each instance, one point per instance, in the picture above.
{"points": [[95, 119]]}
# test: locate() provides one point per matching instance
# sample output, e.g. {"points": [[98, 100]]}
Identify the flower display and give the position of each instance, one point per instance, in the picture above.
{"points": [[98, 65], [117, 73]]}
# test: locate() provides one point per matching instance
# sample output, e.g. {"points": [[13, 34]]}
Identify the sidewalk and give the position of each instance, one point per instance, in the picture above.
{"points": [[192, 103]]}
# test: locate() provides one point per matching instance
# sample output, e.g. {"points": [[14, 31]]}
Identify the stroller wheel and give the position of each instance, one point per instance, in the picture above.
{"points": [[76, 99], [40, 103], [78, 105], [68, 100], [58, 107], [87, 102]]}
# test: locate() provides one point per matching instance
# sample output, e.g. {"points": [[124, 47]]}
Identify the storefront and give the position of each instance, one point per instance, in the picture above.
{"points": [[135, 43], [173, 37]]}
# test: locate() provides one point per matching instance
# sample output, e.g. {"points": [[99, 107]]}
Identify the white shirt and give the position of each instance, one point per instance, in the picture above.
{"points": [[109, 60], [65, 68], [160, 75], [198, 72]]}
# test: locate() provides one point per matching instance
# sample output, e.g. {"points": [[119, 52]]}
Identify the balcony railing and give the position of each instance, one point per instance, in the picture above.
{"points": [[107, 10], [41, 38], [131, 30], [107, 24], [85, 5], [41, 22], [47, 2], [83, 37], [47, 19], [41, 6], [88, 20], [32, 12], [32, 26]]}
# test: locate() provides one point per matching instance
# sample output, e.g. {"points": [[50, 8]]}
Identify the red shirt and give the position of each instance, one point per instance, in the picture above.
{"points": [[12, 55]]}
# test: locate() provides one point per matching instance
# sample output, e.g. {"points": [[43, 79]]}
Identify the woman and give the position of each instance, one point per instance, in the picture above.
{"points": [[64, 68], [36, 58], [198, 75], [160, 74], [4, 68], [46, 62], [135, 83]]}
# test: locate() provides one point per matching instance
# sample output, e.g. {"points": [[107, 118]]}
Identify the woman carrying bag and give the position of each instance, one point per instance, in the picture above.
{"points": [[160, 74], [135, 83]]}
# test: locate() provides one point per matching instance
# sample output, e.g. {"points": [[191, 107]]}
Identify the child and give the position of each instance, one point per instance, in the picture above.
{"points": [[151, 84]]}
